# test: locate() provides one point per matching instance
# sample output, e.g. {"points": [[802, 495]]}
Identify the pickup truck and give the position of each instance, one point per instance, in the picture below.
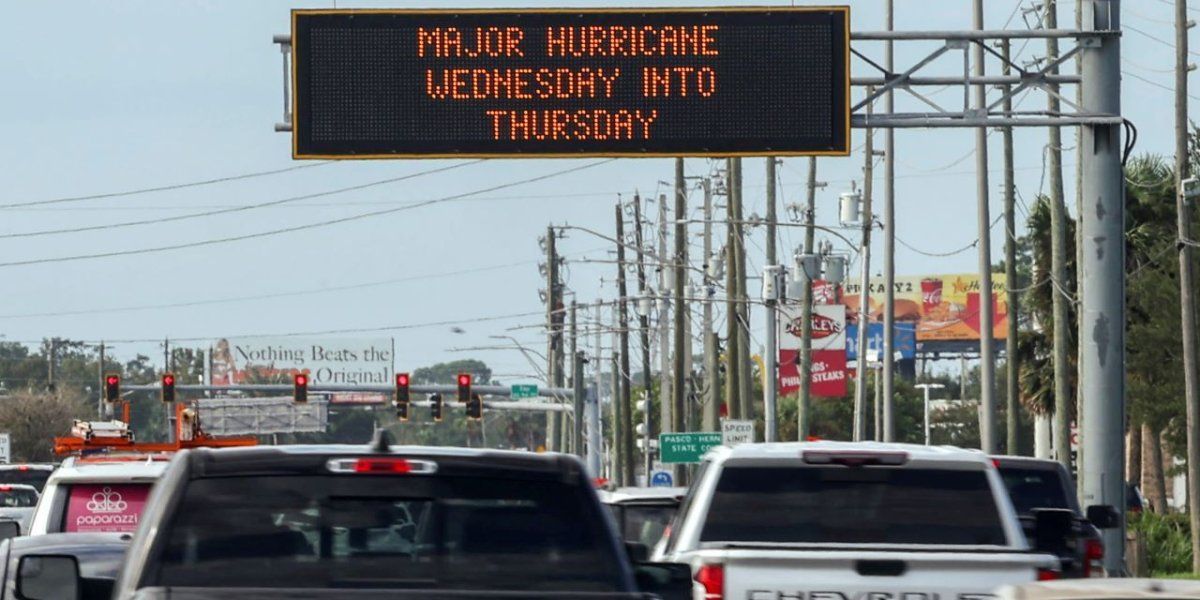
{"points": [[861, 521], [1036, 484], [338, 521]]}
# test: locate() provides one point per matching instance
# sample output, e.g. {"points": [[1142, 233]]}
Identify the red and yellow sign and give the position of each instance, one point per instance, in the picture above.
{"points": [[944, 307]]}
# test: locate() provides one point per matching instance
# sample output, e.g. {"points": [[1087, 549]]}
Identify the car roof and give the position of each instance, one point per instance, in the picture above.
{"points": [[1072, 589], [793, 450], [28, 467], [108, 471], [637, 495], [68, 541]]}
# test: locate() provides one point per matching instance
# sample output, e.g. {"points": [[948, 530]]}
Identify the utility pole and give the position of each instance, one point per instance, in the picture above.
{"points": [[665, 273], [1061, 433], [712, 402], [864, 297], [1187, 305], [770, 297], [678, 386], [51, 358], [1102, 310], [554, 339], [576, 385], [733, 356], [987, 359], [595, 437], [770, 378], [617, 453], [1079, 416], [624, 405], [646, 302], [745, 382], [804, 402], [1010, 270], [100, 381], [889, 251]]}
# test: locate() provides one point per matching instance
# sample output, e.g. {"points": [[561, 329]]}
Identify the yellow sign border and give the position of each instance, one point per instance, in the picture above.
{"points": [[296, 155]]}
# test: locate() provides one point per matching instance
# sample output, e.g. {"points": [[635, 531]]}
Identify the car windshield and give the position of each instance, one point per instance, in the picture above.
{"points": [[828, 505], [11, 497], [387, 532], [35, 477], [1034, 488]]}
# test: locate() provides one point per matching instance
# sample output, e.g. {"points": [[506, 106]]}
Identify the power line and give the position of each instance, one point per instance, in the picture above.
{"points": [[302, 292], [262, 234], [1155, 38], [1155, 83], [164, 188], [235, 209]]}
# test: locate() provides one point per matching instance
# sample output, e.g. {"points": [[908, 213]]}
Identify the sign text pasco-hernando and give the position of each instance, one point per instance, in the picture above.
{"points": [[729, 81]]}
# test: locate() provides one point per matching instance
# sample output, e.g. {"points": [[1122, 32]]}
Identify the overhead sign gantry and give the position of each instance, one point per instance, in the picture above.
{"points": [[570, 82]]}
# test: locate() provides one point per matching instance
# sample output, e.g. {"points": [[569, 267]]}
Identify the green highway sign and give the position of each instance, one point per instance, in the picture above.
{"points": [[677, 448], [523, 391]]}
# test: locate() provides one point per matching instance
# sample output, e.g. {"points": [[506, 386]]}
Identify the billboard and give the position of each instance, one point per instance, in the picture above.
{"points": [[571, 82], [328, 361], [904, 339], [828, 350], [940, 307]]}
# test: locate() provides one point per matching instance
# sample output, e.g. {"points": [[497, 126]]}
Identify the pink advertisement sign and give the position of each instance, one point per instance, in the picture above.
{"points": [[105, 507]]}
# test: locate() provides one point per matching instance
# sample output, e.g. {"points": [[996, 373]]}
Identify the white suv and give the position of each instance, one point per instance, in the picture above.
{"points": [[103, 494]]}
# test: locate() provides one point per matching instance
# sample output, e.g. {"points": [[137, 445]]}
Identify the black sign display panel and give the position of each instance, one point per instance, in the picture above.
{"points": [[571, 82]]}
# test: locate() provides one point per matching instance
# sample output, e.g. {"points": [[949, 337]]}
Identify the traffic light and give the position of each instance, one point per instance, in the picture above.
{"points": [[435, 407], [300, 387], [112, 387], [475, 407], [402, 398], [168, 387], [402, 380], [464, 387]]}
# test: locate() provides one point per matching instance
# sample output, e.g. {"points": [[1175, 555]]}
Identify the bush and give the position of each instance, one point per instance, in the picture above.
{"points": [[1168, 541]]}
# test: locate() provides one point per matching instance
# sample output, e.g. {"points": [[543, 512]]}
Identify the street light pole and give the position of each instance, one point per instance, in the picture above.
{"points": [[926, 387]]}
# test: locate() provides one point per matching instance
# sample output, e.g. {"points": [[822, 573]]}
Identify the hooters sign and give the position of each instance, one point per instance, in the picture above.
{"points": [[828, 351]]}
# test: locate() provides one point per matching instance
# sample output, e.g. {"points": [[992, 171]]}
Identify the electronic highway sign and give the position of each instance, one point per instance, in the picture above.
{"points": [[571, 82]]}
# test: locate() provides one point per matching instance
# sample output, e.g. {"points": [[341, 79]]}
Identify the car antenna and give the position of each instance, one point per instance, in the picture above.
{"points": [[382, 442]]}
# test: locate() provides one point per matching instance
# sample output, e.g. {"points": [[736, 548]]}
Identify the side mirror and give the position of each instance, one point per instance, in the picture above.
{"points": [[1052, 528], [669, 581], [9, 529], [48, 577], [1103, 516], [638, 552]]}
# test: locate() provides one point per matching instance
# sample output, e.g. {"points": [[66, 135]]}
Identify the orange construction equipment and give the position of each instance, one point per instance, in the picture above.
{"points": [[107, 436]]}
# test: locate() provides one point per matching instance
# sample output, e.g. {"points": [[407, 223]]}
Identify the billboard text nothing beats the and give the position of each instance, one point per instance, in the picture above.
{"points": [[571, 82]]}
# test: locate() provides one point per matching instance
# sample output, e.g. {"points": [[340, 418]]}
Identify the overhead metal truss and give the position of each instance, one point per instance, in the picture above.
{"points": [[994, 115]]}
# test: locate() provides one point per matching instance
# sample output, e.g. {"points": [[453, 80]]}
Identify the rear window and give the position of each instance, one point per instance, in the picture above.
{"points": [[17, 497], [646, 524], [388, 532], [829, 505], [1034, 488], [35, 477], [105, 507]]}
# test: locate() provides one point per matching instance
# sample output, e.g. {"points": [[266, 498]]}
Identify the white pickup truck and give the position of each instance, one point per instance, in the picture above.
{"points": [[862, 521]]}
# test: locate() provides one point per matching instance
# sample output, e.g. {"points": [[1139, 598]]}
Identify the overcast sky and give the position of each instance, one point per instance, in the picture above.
{"points": [[107, 96]]}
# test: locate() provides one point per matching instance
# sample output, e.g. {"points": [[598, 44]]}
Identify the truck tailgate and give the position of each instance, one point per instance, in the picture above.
{"points": [[786, 574]]}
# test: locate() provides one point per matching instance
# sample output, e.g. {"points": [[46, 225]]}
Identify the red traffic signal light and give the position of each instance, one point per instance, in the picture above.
{"points": [[168, 387], [300, 387], [112, 387], [464, 387], [402, 396]]}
